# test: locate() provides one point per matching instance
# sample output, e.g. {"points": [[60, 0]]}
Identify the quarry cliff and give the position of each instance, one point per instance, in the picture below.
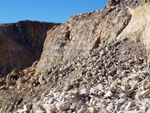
{"points": [[95, 62], [82, 33], [21, 44]]}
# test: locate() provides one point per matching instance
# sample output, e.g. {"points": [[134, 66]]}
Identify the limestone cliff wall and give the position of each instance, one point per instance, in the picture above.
{"points": [[81, 34], [138, 28], [21, 44], [76, 38]]}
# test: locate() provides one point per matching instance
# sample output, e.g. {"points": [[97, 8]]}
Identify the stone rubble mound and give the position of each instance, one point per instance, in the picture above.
{"points": [[114, 78]]}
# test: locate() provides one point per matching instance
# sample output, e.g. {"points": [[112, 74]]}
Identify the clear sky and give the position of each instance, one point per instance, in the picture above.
{"points": [[45, 10]]}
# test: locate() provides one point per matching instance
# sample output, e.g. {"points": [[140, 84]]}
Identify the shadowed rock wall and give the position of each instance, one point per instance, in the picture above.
{"points": [[21, 44]]}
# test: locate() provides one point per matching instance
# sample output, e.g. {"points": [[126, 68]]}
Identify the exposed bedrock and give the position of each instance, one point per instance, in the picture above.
{"points": [[138, 28], [83, 32], [21, 44]]}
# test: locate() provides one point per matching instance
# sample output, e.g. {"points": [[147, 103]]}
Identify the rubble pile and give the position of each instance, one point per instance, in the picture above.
{"points": [[113, 78]]}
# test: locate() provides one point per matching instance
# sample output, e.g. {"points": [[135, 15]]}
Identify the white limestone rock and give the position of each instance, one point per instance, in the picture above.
{"points": [[37, 111], [67, 87], [134, 111], [27, 107], [51, 109], [108, 94], [42, 80], [122, 95], [20, 111], [130, 105], [51, 100], [81, 109], [94, 91], [110, 107], [146, 93], [148, 111], [84, 92], [92, 110], [62, 106]]}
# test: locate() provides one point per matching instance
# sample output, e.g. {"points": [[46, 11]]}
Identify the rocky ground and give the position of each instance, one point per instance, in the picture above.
{"points": [[96, 62], [113, 78]]}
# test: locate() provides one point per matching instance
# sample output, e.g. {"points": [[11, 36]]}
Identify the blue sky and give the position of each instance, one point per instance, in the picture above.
{"points": [[45, 10]]}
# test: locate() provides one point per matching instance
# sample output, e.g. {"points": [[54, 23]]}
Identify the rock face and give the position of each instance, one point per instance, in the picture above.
{"points": [[21, 44], [138, 28], [82, 33], [94, 63], [124, 3]]}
